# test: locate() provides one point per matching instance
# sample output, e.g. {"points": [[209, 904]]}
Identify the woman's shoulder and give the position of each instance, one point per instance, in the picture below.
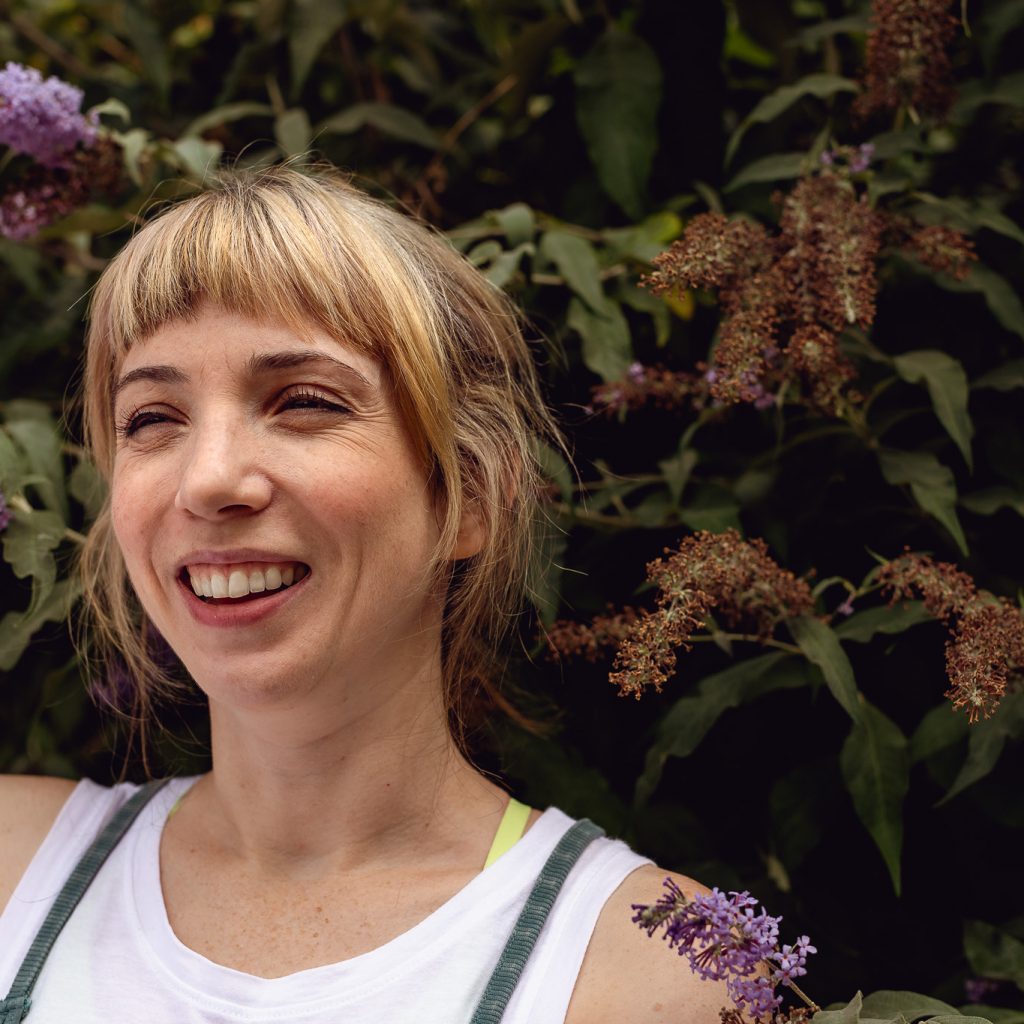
{"points": [[629, 977], [29, 805]]}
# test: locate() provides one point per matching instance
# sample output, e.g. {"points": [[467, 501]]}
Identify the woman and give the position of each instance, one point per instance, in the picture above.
{"points": [[317, 422]]}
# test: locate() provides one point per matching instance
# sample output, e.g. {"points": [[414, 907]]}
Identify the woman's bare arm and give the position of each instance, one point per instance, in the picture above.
{"points": [[29, 805], [629, 978]]}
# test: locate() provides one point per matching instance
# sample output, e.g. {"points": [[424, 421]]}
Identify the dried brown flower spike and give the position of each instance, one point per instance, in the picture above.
{"points": [[986, 645], [907, 63]]}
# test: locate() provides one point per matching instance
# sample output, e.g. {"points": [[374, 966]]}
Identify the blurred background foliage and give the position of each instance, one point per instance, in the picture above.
{"points": [[564, 144]]}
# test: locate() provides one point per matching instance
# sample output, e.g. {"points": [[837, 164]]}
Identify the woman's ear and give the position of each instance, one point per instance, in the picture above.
{"points": [[472, 531]]}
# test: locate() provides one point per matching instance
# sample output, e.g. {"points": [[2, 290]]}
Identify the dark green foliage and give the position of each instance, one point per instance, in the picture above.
{"points": [[564, 144]]}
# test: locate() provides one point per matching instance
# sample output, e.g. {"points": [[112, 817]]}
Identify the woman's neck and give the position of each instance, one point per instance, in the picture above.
{"points": [[304, 793]]}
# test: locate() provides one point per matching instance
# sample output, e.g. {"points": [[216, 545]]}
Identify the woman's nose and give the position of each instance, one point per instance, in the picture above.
{"points": [[222, 474]]}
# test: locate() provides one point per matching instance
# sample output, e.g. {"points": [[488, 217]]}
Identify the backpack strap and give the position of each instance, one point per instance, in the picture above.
{"points": [[15, 1007], [527, 928]]}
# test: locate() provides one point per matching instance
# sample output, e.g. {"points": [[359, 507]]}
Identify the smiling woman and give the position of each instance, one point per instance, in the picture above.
{"points": [[320, 427]]}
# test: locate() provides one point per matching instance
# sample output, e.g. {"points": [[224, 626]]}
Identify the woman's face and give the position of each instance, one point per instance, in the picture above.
{"points": [[274, 472]]}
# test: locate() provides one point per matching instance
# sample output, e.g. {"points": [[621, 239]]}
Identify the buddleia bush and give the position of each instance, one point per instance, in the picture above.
{"points": [[770, 254]]}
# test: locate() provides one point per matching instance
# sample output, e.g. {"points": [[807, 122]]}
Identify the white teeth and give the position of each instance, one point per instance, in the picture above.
{"points": [[238, 584]]}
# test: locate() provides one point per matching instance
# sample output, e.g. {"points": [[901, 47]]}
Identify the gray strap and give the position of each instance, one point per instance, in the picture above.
{"points": [[15, 1007], [526, 930]]}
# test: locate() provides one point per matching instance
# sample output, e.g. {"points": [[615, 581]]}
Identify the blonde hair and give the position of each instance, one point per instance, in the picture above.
{"points": [[308, 248]]}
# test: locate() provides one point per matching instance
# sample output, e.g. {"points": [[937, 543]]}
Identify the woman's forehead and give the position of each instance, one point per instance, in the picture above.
{"points": [[215, 336]]}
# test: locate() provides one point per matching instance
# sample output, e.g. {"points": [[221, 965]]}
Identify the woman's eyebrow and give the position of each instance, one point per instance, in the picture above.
{"points": [[268, 362], [257, 365]]}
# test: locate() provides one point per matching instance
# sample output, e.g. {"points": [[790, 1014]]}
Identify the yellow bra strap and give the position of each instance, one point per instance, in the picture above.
{"points": [[510, 830]]}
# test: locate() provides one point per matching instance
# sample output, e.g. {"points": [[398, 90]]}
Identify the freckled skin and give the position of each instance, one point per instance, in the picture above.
{"points": [[323, 802], [222, 462]]}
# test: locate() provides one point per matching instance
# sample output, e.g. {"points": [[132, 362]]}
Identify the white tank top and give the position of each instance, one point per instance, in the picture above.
{"points": [[117, 960]]}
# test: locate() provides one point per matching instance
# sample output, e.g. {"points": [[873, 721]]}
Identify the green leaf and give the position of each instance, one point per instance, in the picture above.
{"points": [[931, 483], [653, 305], [112, 106], [607, 350], [876, 768], [677, 470], [863, 626], [964, 215], [517, 222], [854, 24], [148, 41], [546, 589], [821, 85], [647, 239], [998, 21], [777, 167], [1003, 378], [849, 1014], [28, 541], [1001, 297], [86, 486], [24, 262], [577, 263], [987, 739], [13, 467], [990, 500], [34, 430], [225, 114], [312, 23], [1006, 91], [199, 156], [18, 628], [940, 729], [133, 145], [912, 1005], [995, 1014], [400, 124], [618, 90], [946, 381], [710, 507], [994, 953], [683, 728], [504, 266], [821, 647], [293, 132]]}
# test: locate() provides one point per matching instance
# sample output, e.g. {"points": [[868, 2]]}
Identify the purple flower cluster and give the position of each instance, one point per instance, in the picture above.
{"points": [[41, 118], [724, 939], [26, 209], [5, 512], [858, 160]]}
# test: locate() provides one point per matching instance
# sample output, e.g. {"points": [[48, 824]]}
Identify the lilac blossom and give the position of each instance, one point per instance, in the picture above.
{"points": [[861, 160], [978, 990], [636, 373], [41, 118], [26, 209], [5, 512], [725, 939]]}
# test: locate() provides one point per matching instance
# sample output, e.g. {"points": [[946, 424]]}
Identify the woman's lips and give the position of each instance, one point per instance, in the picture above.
{"points": [[243, 611]]}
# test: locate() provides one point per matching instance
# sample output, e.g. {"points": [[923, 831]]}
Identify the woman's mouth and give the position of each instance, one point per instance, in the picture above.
{"points": [[240, 583]]}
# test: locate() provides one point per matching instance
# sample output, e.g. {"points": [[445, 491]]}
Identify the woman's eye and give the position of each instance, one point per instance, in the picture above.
{"points": [[313, 400], [133, 422]]}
